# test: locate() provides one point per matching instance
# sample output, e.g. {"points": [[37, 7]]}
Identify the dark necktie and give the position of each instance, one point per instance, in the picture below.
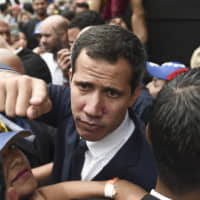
{"points": [[77, 161]]}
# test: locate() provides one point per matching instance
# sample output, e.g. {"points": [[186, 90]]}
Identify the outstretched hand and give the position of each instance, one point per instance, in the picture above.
{"points": [[21, 95]]}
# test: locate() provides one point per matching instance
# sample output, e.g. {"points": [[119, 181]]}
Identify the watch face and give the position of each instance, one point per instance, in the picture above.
{"points": [[2, 181]]}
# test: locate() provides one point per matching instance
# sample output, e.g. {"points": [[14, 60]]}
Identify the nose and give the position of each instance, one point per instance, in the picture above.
{"points": [[16, 161], [149, 85], [94, 106], [42, 40]]}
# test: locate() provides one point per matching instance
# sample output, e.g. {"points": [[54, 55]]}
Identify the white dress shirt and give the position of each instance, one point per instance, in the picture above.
{"points": [[56, 72], [101, 152]]}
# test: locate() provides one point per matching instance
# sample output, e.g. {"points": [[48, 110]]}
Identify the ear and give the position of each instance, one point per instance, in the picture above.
{"points": [[135, 95], [147, 134]]}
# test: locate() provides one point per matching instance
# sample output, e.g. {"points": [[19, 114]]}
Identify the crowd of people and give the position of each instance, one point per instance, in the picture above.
{"points": [[85, 114]]}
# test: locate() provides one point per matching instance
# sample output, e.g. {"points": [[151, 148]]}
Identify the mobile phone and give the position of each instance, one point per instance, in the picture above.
{"points": [[2, 181]]}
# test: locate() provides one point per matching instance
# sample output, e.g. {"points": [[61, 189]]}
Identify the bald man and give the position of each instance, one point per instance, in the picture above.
{"points": [[54, 37]]}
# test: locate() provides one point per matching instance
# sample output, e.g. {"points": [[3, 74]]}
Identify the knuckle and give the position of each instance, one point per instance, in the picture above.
{"points": [[10, 112], [20, 113], [24, 79]]}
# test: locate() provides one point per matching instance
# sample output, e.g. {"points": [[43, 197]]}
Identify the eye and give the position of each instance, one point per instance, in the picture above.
{"points": [[84, 86], [113, 93]]}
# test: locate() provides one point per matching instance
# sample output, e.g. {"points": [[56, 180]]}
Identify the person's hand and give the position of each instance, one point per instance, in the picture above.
{"points": [[37, 195], [11, 194], [128, 191], [22, 95], [64, 61]]}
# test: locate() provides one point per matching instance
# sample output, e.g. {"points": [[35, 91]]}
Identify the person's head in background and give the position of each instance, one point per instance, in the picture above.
{"points": [[17, 170], [54, 34], [5, 31], [174, 132], [82, 6], [40, 8], [15, 10], [162, 74], [117, 21], [16, 38], [83, 20], [68, 13], [24, 17], [52, 9]]}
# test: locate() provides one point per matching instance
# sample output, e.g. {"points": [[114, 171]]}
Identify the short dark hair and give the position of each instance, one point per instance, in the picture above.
{"points": [[111, 43], [86, 18], [82, 5], [174, 131], [67, 13]]}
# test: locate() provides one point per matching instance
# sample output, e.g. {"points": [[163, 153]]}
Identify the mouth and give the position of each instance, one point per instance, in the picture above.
{"points": [[88, 126], [21, 175]]}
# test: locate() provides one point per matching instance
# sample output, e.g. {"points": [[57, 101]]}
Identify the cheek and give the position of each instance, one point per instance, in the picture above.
{"points": [[154, 91], [77, 101], [115, 111]]}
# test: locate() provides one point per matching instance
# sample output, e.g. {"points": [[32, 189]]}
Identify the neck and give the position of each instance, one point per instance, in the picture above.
{"points": [[41, 17], [162, 189]]}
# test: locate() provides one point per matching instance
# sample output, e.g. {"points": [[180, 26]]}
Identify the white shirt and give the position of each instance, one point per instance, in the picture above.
{"points": [[158, 195], [101, 152], [56, 72]]}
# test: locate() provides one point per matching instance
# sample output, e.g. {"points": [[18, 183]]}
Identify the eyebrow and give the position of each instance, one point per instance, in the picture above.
{"points": [[120, 92], [105, 88], [83, 82]]}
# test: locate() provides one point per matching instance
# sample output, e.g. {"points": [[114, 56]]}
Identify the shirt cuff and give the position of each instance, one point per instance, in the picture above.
{"points": [[4, 67]]}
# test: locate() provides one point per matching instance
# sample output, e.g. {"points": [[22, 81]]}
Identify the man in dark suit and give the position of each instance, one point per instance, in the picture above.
{"points": [[107, 67]]}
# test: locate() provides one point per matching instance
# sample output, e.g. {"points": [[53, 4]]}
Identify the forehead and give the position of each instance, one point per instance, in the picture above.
{"points": [[39, 1], [159, 81], [99, 70], [46, 27]]}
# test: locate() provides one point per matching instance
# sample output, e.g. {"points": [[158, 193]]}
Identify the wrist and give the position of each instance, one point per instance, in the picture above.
{"points": [[109, 189]]}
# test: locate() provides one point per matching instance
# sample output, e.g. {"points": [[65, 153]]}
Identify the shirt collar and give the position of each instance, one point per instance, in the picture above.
{"points": [[113, 139]]}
